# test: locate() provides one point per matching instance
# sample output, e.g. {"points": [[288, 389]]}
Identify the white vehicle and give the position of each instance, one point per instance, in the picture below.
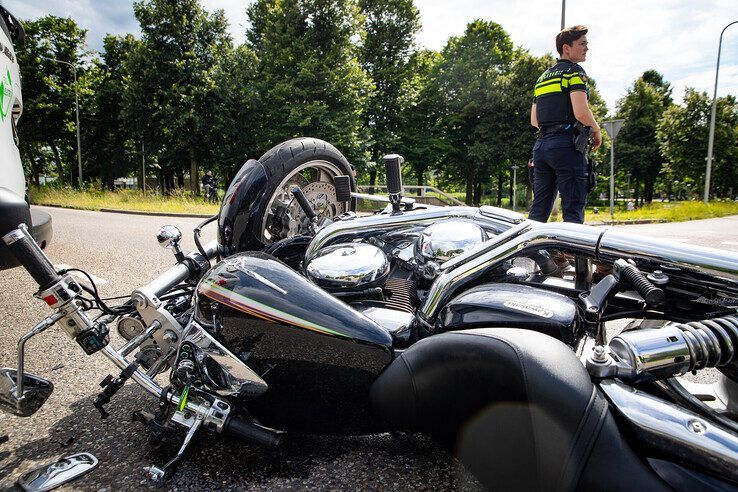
{"points": [[13, 196]]}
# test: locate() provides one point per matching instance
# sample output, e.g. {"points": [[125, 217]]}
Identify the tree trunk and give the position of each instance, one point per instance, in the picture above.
{"points": [[421, 180], [180, 178], [469, 188], [500, 183], [110, 178], [194, 177], [58, 162], [510, 191], [160, 181], [477, 192], [637, 191], [372, 180]]}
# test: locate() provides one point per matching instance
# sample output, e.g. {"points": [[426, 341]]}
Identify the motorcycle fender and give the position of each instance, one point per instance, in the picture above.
{"points": [[240, 211], [512, 306]]}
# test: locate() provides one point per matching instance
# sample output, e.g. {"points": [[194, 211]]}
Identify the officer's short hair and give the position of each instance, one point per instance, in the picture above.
{"points": [[568, 36]]}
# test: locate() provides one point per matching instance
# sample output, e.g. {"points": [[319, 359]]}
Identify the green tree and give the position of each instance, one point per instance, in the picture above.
{"points": [[515, 129], [468, 77], [310, 81], [683, 133], [421, 134], [642, 108], [235, 126], [112, 155], [386, 53], [170, 80], [48, 92]]}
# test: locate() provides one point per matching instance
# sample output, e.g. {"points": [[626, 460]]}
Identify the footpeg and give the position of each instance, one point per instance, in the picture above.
{"points": [[58, 473]]}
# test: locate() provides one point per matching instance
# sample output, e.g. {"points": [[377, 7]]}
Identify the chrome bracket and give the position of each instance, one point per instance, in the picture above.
{"points": [[157, 474]]}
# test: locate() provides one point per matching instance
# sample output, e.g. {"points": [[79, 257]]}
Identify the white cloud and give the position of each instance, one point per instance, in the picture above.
{"points": [[678, 38]]}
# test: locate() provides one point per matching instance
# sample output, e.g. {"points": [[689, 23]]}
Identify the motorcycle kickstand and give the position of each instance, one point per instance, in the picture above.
{"points": [[156, 474]]}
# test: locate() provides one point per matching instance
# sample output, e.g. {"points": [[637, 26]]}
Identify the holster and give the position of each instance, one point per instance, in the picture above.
{"points": [[582, 138], [591, 174]]}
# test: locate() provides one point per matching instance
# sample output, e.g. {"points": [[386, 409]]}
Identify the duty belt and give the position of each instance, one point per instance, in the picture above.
{"points": [[565, 128]]}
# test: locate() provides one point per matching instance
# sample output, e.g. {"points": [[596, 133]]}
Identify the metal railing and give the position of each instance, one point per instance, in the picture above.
{"points": [[422, 197]]}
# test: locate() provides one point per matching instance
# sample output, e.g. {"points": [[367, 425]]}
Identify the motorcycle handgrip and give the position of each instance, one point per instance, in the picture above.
{"points": [[178, 273], [255, 433], [650, 293], [29, 254]]}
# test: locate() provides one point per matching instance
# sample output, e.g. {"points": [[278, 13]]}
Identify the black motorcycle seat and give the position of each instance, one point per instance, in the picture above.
{"points": [[515, 406]]}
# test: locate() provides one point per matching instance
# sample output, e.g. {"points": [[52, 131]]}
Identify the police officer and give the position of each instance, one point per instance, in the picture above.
{"points": [[560, 109]]}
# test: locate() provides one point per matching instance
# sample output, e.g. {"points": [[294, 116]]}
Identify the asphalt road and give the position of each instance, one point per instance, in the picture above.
{"points": [[122, 250]]}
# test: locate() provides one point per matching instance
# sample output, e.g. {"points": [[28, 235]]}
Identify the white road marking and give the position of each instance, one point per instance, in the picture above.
{"points": [[79, 276]]}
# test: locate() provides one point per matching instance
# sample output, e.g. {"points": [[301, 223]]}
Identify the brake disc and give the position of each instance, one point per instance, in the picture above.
{"points": [[322, 198]]}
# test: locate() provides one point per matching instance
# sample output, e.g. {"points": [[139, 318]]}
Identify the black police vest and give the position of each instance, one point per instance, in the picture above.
{"points": [[552, 90]]}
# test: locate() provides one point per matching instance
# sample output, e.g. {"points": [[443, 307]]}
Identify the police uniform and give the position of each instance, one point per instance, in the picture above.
{"points": [[557, 163]]}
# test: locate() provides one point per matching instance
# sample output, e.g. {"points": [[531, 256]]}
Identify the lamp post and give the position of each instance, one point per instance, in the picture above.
{"points": [[712, 118], [612, 128], [563, 13], [76, 112]]}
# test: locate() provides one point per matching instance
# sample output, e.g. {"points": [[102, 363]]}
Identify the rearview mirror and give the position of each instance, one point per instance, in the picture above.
{"points": [[36, 391]]}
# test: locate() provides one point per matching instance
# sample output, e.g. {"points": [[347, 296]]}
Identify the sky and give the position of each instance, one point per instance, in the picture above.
{"points": [[676, 37]]}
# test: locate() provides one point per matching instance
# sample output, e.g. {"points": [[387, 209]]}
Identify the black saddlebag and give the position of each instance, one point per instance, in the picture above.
{"points": [[515, 406]]}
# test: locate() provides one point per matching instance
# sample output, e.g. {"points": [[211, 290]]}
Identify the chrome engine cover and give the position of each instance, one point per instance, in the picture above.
{"points": [[445, 239], [349, 266]]}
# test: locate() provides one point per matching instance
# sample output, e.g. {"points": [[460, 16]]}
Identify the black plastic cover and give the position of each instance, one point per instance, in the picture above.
{"points": [[241, 211], [512, 306], [13, 211]]}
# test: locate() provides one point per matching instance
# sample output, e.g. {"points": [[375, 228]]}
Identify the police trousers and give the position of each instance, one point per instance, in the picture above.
{"points": [[558, 166]]}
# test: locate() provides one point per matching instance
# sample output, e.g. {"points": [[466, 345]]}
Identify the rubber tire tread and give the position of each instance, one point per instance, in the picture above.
{"points": [[283, 158]]}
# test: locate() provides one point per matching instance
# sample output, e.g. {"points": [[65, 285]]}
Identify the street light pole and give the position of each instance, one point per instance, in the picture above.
{"points": [[563, 13], [76, 112], [712, 118]]}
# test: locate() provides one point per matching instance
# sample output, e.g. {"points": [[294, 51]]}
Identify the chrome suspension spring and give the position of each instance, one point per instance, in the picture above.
{"points": [[711, 342]]}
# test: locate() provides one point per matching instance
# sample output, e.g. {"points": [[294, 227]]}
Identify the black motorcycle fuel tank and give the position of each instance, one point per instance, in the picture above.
{"points": [[512, 306], [318, 356]]}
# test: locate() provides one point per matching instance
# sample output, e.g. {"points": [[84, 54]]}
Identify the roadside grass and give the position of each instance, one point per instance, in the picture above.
{"points": [[185, 202], [668, 211], [93, 199]]}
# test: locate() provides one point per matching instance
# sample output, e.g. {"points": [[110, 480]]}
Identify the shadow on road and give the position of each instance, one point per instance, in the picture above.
{"points": [[215, 462]]}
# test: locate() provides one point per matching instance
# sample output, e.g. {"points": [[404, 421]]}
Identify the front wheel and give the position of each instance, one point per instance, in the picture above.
{"points": [[311, 164], [258, 208]]}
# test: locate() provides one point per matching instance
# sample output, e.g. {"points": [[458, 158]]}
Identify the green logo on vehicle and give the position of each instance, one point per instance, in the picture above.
{"points": [[6, 95]]}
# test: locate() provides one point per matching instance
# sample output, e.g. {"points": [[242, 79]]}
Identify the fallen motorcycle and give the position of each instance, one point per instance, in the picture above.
{"points": [[475, 325]]}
